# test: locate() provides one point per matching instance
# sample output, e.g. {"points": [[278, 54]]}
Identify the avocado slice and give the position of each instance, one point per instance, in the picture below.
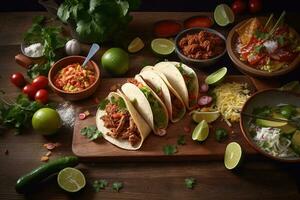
{"points": [[269, 123]]}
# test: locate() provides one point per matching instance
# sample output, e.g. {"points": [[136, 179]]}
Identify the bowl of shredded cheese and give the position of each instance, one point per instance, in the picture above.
{"points": [[35, 50]]}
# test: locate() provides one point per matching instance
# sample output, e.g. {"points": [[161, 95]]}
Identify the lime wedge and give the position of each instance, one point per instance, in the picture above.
{"points": [[71, 179], [201, 131], [209, 117], [162, 46], [233, 155], [136, 45], [216, 76], [223, 15]]}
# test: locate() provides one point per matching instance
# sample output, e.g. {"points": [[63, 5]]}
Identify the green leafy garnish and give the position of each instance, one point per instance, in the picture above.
{"points": [[258, 48], [98, 20], [221, 134], [117, 186], [190, 183], [91, 132], [103, 104], [181, 140], [100, 184], [170, 149], [261, 35], [281, 40], [50, 38], [119, 102], [264, 111], [18, 114]]}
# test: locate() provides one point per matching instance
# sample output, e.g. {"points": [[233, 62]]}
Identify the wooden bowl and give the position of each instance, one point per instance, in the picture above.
{"points": [[269, 97], [74, 96], [247, 69]]}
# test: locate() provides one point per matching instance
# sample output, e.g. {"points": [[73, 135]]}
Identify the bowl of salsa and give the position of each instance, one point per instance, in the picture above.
{"points": [[73, 82]]}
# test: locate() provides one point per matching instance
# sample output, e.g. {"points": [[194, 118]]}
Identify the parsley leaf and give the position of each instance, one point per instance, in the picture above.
{"points": [[103, 104], [117, 186], [190, 183], [170, 149], [100, 184], [181, 140], [91, 132]]}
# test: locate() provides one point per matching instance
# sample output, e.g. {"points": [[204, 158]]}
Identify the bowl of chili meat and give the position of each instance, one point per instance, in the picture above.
{"points": [[200, 47], [73, 82]]}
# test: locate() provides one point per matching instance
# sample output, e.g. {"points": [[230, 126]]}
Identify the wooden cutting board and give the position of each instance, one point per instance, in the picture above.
{"points": [[152, 148]]}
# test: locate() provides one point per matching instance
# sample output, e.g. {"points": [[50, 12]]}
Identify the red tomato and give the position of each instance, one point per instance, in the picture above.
{"points": [[30, 90], [255, 6], [42, 96], [238, 6], [40, 82], [18, 79]]}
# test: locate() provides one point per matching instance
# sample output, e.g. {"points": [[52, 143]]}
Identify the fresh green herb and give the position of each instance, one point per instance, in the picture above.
{"points": [[170, 149], [18, 114], [100, 184], [103, 104], [50, 38], [221, 134], [258, 49], [119, 102], [181, 140], [261, 35], [262, 111], [117, 186], [98, 20], [190, 183], [281, 40], [91, 132], [287, 111]]}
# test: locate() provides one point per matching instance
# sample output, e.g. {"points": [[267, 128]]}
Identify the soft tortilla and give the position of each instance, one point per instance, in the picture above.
{"points": [[141, 124]]}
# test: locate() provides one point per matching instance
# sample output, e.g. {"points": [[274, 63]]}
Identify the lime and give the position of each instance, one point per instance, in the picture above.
{"points": [[233, 155], [201, 131], [136, 45], [71, 179], [46, 121], [115, 61], [162, 46], [223, 15], [209, 117], [216, 76]]}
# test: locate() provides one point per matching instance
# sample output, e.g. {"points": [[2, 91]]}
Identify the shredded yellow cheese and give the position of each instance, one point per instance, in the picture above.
{"points": [[230, 98]]}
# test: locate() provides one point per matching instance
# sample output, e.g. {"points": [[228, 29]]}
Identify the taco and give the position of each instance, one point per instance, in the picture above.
{"points": [[161, 86], [183, 79], [147, 104], [120, 123]]}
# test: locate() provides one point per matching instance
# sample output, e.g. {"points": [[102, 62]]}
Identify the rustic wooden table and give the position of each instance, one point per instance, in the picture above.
{"points": [[258, 178]]}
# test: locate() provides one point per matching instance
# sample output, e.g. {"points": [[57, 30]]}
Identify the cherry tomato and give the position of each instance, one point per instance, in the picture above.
{"points": [[42, 96], [18, 79], [238, 6], [255, 6], [30, 90], [40, 82]]}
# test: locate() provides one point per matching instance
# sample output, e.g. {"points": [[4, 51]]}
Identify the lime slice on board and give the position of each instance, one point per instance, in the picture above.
{"points": [[209, 117], [71, 179], [233, 155], [201, 131], [223, 15], [136, 45], [216, 76], [162, 46]]}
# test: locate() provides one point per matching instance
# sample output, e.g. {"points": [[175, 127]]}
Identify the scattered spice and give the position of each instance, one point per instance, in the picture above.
{"points": [[67, 114], [117, 186], [100, 184], [48, 154], [181, 140], [50, 146], [170, 149], [44, 158], [190, 183]]}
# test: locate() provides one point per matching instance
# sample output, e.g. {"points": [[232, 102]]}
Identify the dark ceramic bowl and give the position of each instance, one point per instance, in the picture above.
{"points": [[197, 62], [269, 97], [74, 96]]}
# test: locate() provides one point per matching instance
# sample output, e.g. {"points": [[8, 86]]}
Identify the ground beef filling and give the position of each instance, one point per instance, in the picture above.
{"points": [[176, 106], [120, 124], [202, 45]]}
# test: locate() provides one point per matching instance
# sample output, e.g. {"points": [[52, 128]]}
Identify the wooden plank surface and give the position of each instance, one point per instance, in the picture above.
{"points": [[152, 148], [259, 178]]}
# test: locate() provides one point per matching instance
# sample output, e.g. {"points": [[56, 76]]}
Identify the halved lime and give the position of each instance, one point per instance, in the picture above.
{"points": [[71, 179], [209, 117], [223, 15], [201, 131], [136, 45], [162, 46], [233, 155], [216, 76]]}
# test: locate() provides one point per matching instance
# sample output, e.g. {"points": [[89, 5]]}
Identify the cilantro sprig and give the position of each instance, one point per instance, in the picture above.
{"points": [[190, 183], [117, 186], [100, 185], [91, 132], [170, 149]]}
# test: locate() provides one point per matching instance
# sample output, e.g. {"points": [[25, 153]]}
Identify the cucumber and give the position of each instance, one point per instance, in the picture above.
{"points": [[34, 177]]}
